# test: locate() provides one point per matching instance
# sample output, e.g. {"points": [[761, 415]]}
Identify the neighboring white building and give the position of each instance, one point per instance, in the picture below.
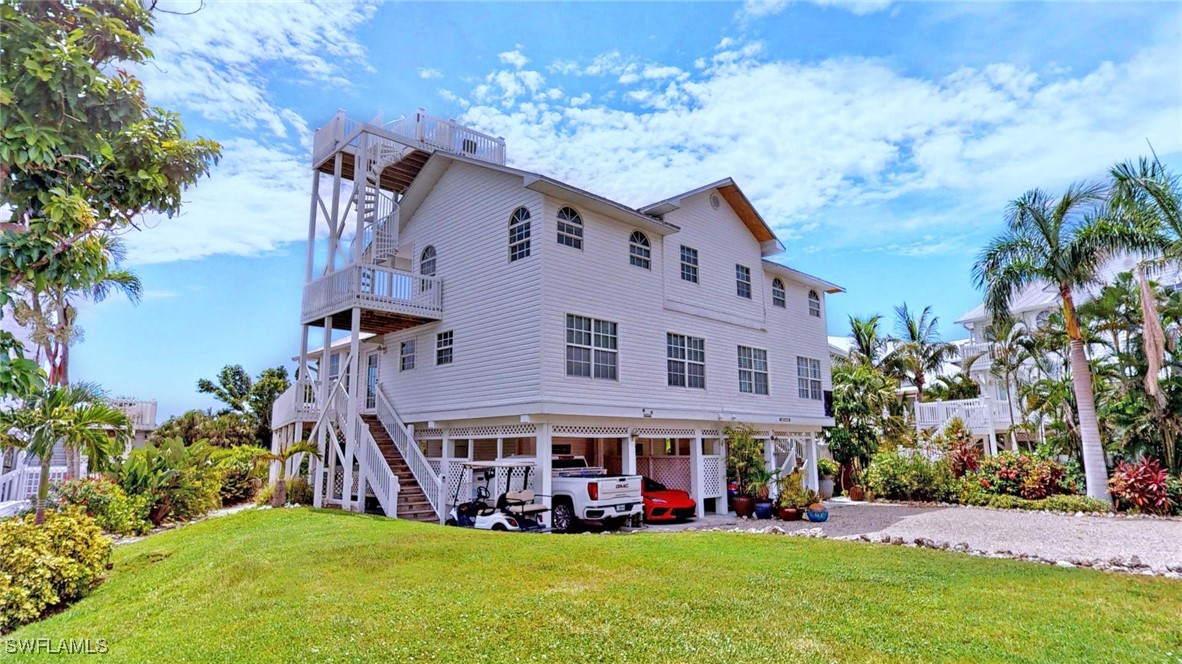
{"points": [[991, 415], [512, 314]]}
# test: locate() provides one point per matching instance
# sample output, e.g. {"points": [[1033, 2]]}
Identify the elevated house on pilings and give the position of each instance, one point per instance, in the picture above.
{"points": [[488, 312]]}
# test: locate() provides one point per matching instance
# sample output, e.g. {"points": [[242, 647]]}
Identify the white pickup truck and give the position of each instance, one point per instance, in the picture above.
{"points": [[587, 494]]}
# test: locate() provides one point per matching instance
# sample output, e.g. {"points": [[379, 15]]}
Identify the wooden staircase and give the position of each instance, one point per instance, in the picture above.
{"points": [[412, 502]]}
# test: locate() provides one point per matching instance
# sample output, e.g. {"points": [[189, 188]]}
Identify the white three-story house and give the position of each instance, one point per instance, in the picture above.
{"points": [[495, 313]]}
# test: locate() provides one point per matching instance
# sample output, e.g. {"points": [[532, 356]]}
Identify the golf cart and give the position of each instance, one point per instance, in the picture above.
{"points": [[514, 509]]}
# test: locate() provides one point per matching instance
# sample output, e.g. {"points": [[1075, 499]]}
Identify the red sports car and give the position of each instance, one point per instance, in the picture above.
{"points": [[664, 504]]}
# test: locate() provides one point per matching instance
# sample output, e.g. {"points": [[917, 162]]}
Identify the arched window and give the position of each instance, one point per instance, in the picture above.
{"points": [[1041, 319], [814, 304], [519, 234], [639, 251], [570, 228], [427, 262], [778, 297]]}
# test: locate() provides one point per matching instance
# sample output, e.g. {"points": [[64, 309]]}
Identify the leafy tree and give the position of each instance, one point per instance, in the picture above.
{"points": [[1063, 242], [918, 350], [221, 430], [78, 417], [959, 385], [18, 374], [82, 153], [251, 398], [862, 399]]}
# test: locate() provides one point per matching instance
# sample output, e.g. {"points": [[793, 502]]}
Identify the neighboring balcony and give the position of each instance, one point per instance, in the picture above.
{"points": [[141, 413], [981, 416], [983, 350], [389, 299]]}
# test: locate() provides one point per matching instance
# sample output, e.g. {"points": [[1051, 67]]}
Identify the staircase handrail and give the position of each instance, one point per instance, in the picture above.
{"points": [[381, 477], [404, 441]]}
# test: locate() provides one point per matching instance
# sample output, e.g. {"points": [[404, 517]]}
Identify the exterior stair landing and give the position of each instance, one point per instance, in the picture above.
{"points": [[412, 502]]}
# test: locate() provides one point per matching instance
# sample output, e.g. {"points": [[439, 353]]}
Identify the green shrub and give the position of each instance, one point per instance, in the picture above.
{"points": [[48, 565], [898, 476], [107, 503], [241, 473], [1074, 504], [183, 481], [1174, 489], [827, 467], [299, 492]]}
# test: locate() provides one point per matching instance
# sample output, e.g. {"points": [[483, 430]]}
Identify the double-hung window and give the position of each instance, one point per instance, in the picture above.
{"points": [[689, 264], [808, 378], [406, 355], [779, 299], [686, 357], [753, 370], [570, 228], [639, 251], [743, 281], [591, 347], [443, 347], [814, 304]]}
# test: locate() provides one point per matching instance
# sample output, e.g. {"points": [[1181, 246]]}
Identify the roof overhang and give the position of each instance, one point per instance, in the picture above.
{"points": [[598, 204], [769, 244], [801, 277]]}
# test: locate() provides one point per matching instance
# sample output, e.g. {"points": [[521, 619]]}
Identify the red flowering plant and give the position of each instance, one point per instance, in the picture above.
{"points": [[1142, 486], [106, 502]]}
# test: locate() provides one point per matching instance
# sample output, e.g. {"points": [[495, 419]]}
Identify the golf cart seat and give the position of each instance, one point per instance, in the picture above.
{"points": [[520, 502]]}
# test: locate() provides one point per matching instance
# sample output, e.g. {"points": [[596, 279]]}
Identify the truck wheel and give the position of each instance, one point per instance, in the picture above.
{"points": [[563, 517]]}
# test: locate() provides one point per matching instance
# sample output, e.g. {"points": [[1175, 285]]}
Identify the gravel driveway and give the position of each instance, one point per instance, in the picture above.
{"points": [[1157, 543]]}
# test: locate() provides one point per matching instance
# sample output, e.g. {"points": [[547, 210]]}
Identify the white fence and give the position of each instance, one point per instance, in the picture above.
{"points": [[981, 416]]}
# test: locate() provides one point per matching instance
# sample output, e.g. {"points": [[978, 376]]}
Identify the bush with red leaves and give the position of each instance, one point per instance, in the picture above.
{"points": [[1141, 487]]}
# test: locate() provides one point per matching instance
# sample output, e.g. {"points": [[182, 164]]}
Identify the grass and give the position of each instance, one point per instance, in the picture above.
{"points": [[289, 585]]}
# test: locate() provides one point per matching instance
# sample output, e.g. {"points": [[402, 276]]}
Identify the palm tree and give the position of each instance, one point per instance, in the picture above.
{"points": [[918, 350], [78, 417], [1063, 242], [279, 498], [868, 346]]}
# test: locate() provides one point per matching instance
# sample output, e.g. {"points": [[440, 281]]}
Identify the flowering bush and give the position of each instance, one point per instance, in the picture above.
{"points": [[48, 565], [1004, 473], [1044, 477], [105, 501], [1141, 487]]}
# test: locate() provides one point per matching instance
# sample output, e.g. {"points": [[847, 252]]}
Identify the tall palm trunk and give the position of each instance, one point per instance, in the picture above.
{"points": [[43, 490], [1095, 466], [1010, 394]]}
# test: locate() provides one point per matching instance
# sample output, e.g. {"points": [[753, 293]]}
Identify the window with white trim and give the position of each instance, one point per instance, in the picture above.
{"points": [[753, 370], [814, 304], [406, 355], [686, 357], [640, 251], [591, 347], [427, 262], [779, 299], [334, 367], [443, 347], [808, 378], [743, 281], [689, 264], [519, 234], [570, 228]]}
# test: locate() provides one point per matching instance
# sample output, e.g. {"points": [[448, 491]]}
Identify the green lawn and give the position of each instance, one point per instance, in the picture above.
{"points": [[287, 585]]}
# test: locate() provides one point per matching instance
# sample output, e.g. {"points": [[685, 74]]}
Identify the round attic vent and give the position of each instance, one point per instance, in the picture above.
{"points": [[714, 201]]}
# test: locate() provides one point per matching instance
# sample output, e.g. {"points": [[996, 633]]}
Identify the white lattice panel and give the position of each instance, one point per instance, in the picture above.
{"points": [[713, 477], [711, 433], [665, 433], [672, 471], [429, 434], [593, 432], [501, 431]]}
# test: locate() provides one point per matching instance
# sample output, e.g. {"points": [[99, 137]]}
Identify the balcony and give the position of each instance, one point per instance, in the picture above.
{"points": [[980, 415], [389, 299], [141, 413], [296, 404], [983, 350]]}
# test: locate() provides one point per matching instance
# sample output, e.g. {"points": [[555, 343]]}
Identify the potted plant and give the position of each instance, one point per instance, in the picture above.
{"points": [[759, 485], [827, 469], [791, 496], [744, 455], [856, 490]]}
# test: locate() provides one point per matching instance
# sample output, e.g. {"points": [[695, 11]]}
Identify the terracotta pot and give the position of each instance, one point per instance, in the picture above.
{"points": [[789, 514], [744, 505], [857, 493]]}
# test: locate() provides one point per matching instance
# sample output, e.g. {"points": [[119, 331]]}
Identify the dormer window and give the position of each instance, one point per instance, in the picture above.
{"points": [[778, 297], [639, 251], [519, 234], [814, 304], [570, 228]]}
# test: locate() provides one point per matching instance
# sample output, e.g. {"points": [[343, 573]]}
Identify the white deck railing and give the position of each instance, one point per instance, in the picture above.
{"points": [[983, 350], [296, 404], [981, 416], [404, 440], [372, 287], [141, 412], [420, 130]]}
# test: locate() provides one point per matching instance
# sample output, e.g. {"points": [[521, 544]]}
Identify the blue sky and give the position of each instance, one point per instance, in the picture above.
{"points": [[882, 139]]}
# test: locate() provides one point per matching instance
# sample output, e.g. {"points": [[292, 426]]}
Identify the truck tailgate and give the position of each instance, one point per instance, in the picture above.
{"points": [[619, 489]]}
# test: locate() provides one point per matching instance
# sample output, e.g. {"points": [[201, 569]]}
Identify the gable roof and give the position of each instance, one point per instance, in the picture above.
{"points": [[769, 244]]}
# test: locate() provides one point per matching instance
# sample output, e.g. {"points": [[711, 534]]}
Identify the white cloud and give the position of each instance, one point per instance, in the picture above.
{"points": [[848, 143], [428, 73], [514, 57], [756, 9]]}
